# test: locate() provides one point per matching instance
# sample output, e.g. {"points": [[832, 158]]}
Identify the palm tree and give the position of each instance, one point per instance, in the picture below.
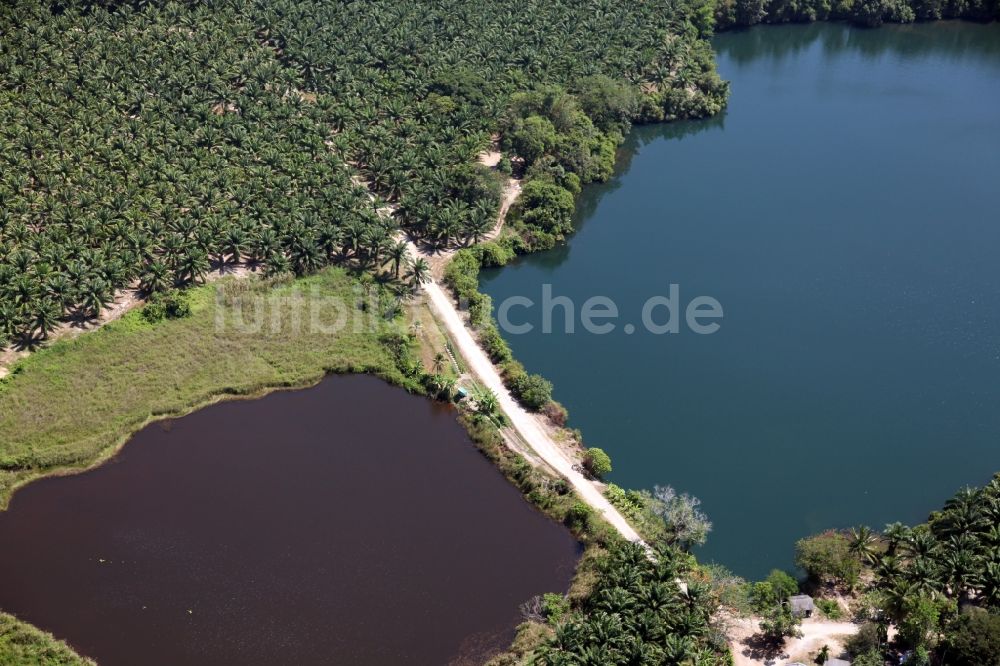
{"points": [[45, 319], [864, 544], [439, 360], [486, 401], [155, 278], [97, 294], [419, 272], [399, 254]]}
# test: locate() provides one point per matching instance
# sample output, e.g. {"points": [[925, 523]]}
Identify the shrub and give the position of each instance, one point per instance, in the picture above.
{"points": [[512, 371], [494, 344], [732, 591], [462, 273], [597, 462], [496, 253], [578, 517], [827, 557], [554, 606], [171, 305], [153, 312], [175, 305], [829, 608], [870, 658], [867, 640], [533, 391], [480, 310]]}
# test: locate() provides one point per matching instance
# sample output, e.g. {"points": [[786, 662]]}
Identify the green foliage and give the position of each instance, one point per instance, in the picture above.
{"points": [[579, 516], [597, 462], [531, 137], [779, 623], [830, 609], [554, 606], [827, 557], [546, 208], [494, 344], [774, 591], [783, 584], [170, 304], [973, 640], [532, 391], [611, 104], [637, 613], [869, 639], [870, 658], [919, 657], [921, 616], [763, 597], [23, 645]]}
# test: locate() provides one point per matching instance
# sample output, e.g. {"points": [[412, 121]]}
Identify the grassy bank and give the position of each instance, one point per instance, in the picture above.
{"points": [[73, 404], [23, 645]]}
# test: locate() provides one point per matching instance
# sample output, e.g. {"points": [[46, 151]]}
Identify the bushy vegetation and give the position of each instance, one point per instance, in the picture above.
{"points": [[23, 645], [730, 13], [565, 139], [597, 462], [827, 558], [142, 143]]}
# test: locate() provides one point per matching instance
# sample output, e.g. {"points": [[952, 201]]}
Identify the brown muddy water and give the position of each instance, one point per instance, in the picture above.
{"points": [[349, 523]]}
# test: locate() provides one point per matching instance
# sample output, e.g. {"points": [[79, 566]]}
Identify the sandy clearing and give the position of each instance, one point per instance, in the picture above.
{"points": [[816, 632]]}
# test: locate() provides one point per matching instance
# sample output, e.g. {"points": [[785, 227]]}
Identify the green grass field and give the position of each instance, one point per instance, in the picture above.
{"points": [[23, 645], [75, 403]]}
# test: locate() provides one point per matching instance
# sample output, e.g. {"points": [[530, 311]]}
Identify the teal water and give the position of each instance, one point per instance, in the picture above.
{"points": [[844, 213]]}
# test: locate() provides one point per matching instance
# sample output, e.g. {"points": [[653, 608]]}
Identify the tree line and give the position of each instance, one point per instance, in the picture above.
{"points": [[871, 13]]}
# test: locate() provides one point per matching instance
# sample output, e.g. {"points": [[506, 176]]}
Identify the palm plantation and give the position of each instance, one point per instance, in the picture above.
{"points": [[138, 154]]}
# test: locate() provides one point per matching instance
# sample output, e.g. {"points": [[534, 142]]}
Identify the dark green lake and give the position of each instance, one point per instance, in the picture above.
{"points": [[844, 213]]}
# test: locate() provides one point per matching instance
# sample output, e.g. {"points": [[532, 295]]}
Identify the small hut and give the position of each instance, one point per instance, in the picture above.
{"points": [[837, 662], [802, 605]]}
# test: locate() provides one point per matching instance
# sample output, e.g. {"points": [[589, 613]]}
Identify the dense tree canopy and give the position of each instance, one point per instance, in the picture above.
{"points": [[144, 143], [639, 613]]}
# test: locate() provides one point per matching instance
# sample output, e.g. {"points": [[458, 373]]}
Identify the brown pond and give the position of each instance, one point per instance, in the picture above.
{"points": [[349, 523]]}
